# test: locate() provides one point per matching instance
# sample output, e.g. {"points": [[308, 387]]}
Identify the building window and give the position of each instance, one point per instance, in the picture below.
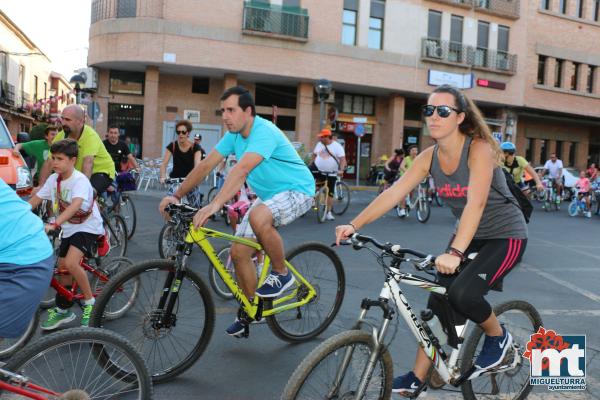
{"points": [[575, 76], [376, 24], [545, 4], [543, 155], [45, 90], [349, 19], [558, 73], [502, 52], [559, 149], [596, 10], [434, 25], [3, 67], [268, 95], [572, 152], [529, 149], [483, 37], [541, 73], [35, 88], [562, 6], [291, 3], [126, 8], [456, 37], [126, 82], [355, 104], [590, 79], [200, 85], [580, 8]]}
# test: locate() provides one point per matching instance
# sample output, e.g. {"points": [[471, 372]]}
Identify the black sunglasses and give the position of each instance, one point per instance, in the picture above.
{"points": [[182, 132], [443, 111]]}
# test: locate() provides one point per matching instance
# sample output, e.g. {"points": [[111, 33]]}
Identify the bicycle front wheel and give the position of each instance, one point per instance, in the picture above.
{"points": [[116, 229], [322, 267], [522, 320], [169, 343], [9, 347], [127, 211], [97, 362], [321, 204], [573, 208], [341, 198], [335, 369], [423, 210]]}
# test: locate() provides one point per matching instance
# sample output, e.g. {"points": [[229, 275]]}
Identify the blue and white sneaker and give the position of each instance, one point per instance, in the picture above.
{"points": [[492, 353], [407, 384], [236, 329], [275, 284]]}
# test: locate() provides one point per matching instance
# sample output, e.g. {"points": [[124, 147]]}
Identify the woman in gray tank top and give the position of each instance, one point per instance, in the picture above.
{"points": [[465, 165]]}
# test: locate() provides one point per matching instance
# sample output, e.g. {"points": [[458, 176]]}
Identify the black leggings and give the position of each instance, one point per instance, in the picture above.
{"points": [[466, 290]]}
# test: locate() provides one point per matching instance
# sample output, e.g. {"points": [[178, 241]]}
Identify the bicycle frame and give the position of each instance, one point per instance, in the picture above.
{"points": [[253, 309], [20, 385], [72, 294]]}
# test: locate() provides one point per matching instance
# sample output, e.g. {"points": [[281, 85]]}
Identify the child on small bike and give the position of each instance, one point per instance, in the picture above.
{"points": [[243, 201], [78, 217], [585, 191]]}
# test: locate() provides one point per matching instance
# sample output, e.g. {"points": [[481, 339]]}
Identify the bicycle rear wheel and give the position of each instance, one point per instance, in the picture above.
{"points": [[333, 370], [111, 269], [9, 347], [167, 241], [213, 276], [98, 362], [170, 344], [423, 210], [341, 198], [116, 229], [522, 320], [320, 266], [127, 211], [573, 208]]}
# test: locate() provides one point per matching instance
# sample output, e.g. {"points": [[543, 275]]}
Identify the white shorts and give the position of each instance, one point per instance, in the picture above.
{"points": [[285, 207]]}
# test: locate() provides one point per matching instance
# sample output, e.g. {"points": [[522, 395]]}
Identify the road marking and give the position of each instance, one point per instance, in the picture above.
{"points": [[575, 313], [570, 248], [568, 285]]}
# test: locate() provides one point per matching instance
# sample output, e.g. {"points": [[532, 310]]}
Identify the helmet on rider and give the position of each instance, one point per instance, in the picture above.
{"points": [[508, 147]]}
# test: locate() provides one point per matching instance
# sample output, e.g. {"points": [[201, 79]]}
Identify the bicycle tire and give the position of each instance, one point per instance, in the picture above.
{"points": [[117, 233], [291, 325], [521, 331], [573, 208], [110, 351], [9, 347], [321, 204], [341, 198], [167, 241], [210, 197], [333, 347], [128, 213], [146, 338], [115, 265], [214, 279], [423, 211]]}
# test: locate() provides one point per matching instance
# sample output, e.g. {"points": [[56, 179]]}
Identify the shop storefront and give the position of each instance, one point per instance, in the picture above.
{"points": [[347, 127]]}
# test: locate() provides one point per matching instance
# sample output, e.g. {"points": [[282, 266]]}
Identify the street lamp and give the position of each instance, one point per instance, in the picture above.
{"points": [[323, 88], [77, 80]]}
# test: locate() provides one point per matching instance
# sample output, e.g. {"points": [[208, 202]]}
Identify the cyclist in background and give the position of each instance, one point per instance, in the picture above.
{"points": [[585, 192], [554, 168], [392, 168], [26, 263], [467, 159], [328, 156], [38, 149], [517, 166], [413, 151]]}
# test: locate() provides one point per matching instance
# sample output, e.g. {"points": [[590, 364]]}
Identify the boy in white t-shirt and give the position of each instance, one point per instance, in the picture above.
{"points": [[78, 216]]}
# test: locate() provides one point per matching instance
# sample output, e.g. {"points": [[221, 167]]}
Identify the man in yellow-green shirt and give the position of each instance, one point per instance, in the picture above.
{"points": [[93, 160], [407, 162]]}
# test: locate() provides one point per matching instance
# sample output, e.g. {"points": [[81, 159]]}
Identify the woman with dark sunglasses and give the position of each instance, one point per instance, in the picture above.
{"points": [[465, 164], [185, 155]]}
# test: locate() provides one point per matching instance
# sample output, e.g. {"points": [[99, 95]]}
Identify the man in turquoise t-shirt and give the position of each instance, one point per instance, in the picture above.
{"points": [[38, 149], [272, 168]]}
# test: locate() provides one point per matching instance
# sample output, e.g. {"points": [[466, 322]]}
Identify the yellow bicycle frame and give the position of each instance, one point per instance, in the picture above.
{"points": [[200, 236]]}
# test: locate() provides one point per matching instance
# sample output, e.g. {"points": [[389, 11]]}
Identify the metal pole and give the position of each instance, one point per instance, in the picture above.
{"points": [[357, 161], [322, 118]]}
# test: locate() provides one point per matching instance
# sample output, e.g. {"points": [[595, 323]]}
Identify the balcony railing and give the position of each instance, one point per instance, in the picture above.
{"points": [[7, 94], [506, 8], [106, 9], [23, 99], [456, 53], [265, 18]]}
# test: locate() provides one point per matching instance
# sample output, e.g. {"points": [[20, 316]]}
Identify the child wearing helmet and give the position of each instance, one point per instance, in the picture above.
{"points": [[517, 165]]}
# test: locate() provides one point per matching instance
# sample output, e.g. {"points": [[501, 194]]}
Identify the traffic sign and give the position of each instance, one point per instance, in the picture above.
{"points": [[359, 130], [93, 110]]}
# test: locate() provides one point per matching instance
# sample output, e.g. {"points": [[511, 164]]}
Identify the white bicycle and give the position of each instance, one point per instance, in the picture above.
{"points": [[417, 202]]}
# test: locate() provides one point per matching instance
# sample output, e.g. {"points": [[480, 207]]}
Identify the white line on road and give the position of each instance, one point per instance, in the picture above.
{"points": [[569, 248], [568, 285]]}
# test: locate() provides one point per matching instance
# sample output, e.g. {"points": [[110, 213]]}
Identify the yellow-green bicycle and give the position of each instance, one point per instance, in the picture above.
{"points": [[172, 315]]}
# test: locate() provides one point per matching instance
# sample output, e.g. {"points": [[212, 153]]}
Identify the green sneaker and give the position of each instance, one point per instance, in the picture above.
{"points": [[56, 319], [85, 315]]}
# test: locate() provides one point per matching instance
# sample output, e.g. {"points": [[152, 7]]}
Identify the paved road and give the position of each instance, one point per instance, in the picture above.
{"points": [[559, 275]]}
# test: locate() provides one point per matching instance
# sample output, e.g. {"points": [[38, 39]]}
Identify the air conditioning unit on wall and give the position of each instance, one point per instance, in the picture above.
{"points": [[90, 75]]}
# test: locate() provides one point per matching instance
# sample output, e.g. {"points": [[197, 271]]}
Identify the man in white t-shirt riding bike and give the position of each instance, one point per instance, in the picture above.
{"points": [[329, 157], [554, 168]]}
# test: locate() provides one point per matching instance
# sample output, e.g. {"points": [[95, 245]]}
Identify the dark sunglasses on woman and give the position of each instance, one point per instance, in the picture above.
{"points": [[442, 111]]}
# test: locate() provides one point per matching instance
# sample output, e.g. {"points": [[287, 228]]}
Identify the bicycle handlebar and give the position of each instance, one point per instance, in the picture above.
{"points": [[174, 180], [173, 209]]}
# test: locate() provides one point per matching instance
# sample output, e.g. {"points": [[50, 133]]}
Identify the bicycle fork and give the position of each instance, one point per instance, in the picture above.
{"points": [[164, 317]]}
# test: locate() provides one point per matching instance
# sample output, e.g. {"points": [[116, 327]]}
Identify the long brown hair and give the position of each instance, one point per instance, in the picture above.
{"points": [[474, 124]]}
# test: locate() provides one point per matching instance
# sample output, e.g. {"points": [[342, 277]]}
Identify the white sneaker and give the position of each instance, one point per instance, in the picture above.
{"points": [[588, 214], [329, 216], [402, 213]]}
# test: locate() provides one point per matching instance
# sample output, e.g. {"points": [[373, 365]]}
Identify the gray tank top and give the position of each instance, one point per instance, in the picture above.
{"points": [[501, 218]]}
